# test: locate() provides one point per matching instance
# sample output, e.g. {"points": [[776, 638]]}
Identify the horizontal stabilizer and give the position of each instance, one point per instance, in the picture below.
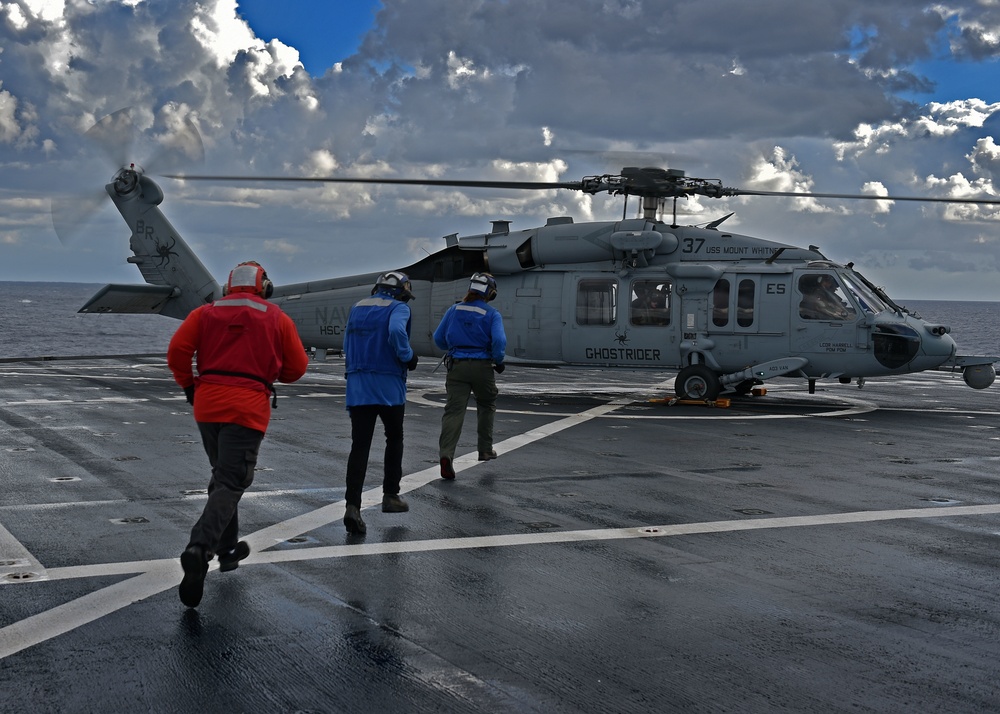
{"points": [[963, 361], [132, 299]]}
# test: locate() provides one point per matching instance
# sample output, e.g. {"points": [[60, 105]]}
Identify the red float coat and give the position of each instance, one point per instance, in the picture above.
{"points": [[240, 333]]}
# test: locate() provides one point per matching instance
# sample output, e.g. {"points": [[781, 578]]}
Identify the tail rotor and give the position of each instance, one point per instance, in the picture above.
{"points": [[176, 146]]}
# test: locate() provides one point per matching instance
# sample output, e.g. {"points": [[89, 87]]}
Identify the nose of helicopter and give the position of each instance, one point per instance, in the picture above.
{"points": [[912, 345], [936, 345]]}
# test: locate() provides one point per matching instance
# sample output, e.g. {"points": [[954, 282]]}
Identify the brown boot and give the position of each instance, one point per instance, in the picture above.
{"points": [[394, 504]]}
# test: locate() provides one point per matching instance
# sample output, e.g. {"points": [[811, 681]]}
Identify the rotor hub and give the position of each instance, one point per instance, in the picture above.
{"points": [[126, 181]]}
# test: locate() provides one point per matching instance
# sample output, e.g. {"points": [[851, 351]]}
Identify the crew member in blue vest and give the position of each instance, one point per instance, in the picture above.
{"points": [[377, 355], [472, 333]]}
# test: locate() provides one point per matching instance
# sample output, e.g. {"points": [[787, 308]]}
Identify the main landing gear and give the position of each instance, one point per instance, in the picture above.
{"points": [[697, 381]]}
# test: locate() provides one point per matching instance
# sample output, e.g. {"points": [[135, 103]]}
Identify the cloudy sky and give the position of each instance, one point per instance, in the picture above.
{"points": [[896, 97]]}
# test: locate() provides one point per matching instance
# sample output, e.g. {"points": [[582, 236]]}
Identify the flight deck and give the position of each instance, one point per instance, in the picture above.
{"points": [[835, 551]]}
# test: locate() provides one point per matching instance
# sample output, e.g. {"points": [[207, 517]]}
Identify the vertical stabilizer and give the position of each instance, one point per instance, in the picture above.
{"points": [[161, 255]]}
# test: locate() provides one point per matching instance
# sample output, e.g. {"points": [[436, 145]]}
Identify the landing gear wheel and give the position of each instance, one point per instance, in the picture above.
{"points": [[697, 382]]}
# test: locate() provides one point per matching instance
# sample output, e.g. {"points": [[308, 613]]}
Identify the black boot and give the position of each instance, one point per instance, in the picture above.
{"points": [[195, 565], [353, 522], [231, 560]]}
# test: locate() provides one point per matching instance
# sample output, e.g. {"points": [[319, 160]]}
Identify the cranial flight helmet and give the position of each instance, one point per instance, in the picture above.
{"points": [[249, 277], [484, 284], [395, 283]]}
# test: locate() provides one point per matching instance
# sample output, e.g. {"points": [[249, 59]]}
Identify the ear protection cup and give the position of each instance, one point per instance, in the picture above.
{"points": [[266, 286]]}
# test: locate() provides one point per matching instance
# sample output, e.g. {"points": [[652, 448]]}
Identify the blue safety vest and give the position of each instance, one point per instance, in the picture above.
{"points": [[472, 330], [366, 340]]}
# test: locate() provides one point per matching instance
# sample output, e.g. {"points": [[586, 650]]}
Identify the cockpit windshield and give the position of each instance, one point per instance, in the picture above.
{"points": [[863, 295]]}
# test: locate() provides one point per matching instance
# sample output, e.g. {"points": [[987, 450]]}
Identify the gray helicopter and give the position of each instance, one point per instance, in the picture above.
{"points": [[726, 311]]}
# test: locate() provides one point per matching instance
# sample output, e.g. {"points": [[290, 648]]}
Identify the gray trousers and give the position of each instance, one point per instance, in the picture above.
{"points": [[475, 377], [232, 450]]}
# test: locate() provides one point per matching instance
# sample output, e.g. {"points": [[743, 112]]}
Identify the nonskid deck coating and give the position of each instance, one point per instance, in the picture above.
{"points": [[833, 551]]}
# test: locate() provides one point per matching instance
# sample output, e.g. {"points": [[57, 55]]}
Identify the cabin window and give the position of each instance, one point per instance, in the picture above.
{"points": [[650, 303], [720, 303], [744, 303], [597, 302]]}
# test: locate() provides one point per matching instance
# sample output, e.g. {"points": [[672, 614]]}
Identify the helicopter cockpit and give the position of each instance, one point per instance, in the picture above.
{"points": [[898, 336], [869, 302], [823, 299]]}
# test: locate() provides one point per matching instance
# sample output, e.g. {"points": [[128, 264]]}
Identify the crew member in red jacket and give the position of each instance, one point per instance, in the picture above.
{"points": [[242, 345]]}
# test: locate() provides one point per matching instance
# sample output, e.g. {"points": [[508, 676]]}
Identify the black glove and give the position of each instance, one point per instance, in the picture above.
{"points": [[412, 364], [189, 394], [499, 368]]}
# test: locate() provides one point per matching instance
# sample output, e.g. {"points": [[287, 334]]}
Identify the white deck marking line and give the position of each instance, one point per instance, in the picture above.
{"points": [[268, 537], [524, 539], [15, 558], [857, 406], [83, 610], [162, 575], [248, 496], [159, 575]]}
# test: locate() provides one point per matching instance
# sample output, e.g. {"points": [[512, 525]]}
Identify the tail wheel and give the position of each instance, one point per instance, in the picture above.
{"points": [[697, 382]]}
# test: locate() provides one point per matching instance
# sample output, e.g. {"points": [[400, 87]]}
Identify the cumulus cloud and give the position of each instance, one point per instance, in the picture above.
{"points": [[958, 186], [781, 172], [985, 158], [940, 120], [876, 188]]}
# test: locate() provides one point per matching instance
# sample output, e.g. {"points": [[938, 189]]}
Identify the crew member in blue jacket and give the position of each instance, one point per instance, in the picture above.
{"points": [[472, 333], [377, 356]]}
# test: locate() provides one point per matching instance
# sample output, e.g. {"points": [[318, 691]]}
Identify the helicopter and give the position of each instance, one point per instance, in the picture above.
{"points": [[726, 311]]}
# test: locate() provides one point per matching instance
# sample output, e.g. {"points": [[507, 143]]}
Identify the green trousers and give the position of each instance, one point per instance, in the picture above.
{"points": [[472, 376]]}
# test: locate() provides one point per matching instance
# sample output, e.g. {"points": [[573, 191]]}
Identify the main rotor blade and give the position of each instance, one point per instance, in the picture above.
{"points": [[863, 196], [180, 148], [635, 184], [70, 214], [114, 134], [573, 185]]}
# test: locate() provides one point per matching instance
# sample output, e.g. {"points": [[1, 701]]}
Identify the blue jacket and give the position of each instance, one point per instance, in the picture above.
{"points": [[376, 350], [472, 330]]}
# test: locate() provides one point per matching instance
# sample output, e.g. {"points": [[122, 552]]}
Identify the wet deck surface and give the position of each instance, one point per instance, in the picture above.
{"points": [[827, 552]]}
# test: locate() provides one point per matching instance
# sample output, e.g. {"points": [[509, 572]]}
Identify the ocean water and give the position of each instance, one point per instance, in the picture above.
{"points": [[975, 326], [41, 319]]}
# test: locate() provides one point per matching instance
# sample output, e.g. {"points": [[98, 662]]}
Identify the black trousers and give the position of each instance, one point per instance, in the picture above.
{"points": [[362, 430], [232, 451]]}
